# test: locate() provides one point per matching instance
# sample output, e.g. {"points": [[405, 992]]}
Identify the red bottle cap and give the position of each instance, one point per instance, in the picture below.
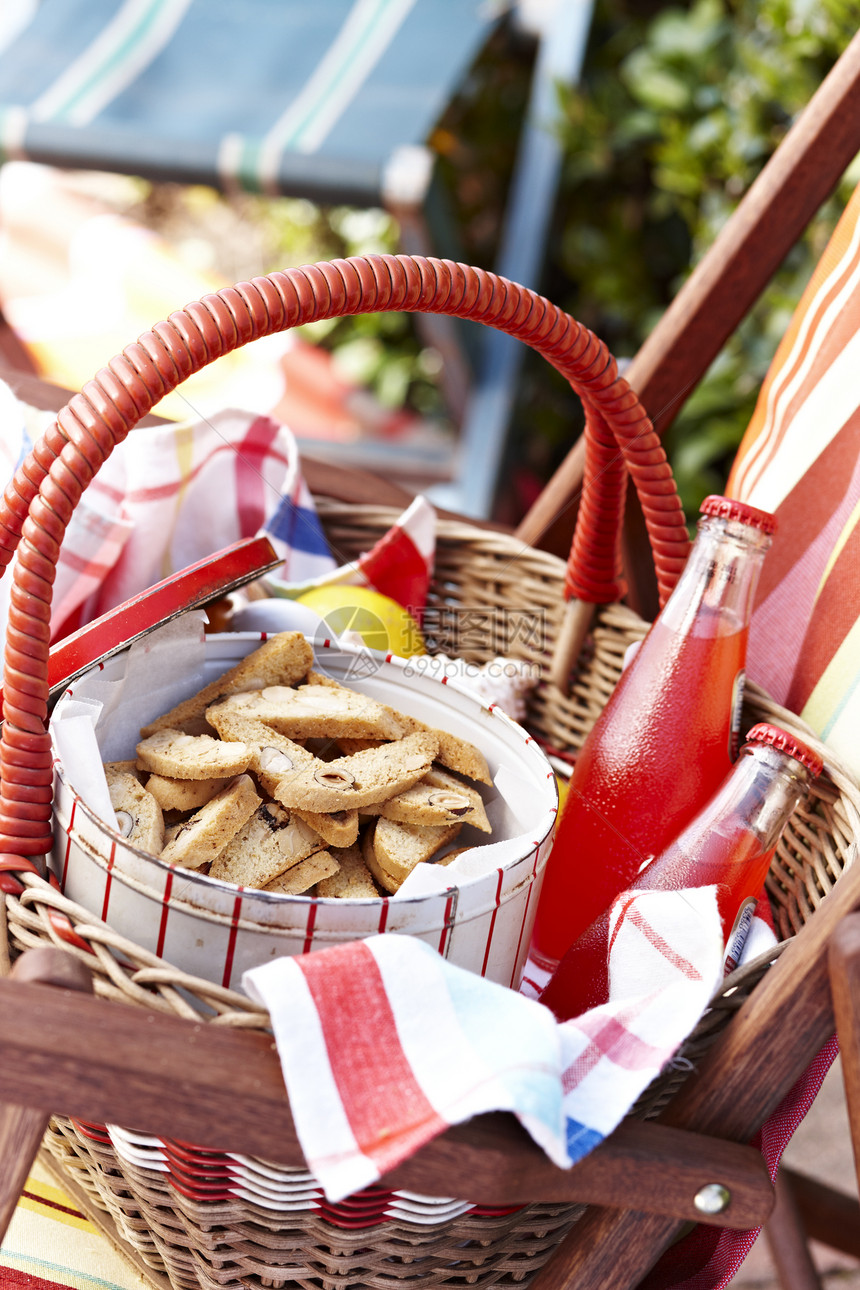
{"points": [[786, 743], [726, 508]]}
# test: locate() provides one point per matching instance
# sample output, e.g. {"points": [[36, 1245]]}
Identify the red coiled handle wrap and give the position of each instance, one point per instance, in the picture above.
{"points": [[39, 501]]}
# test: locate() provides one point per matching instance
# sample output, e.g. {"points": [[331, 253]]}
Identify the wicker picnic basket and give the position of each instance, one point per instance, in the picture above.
{"points": [[186, 1233]]}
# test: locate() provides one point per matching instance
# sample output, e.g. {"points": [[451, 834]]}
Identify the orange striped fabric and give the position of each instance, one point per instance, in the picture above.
{"points": [[800, 458]]}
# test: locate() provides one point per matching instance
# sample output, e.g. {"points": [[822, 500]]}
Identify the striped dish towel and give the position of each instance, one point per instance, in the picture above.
{"points": [[169, 496], [173, 494], [383, 1044]]}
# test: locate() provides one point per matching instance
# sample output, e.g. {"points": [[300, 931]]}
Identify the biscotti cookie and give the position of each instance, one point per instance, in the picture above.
{"points": [[283, 659], [184, 794], [269, 843], [272, 754], [455, 753], [179, 756], [349, 783], [303, 877], [126, 767], [201, 839], [337, 828], [438, 798], [138, 814], [391, 851], [353, 881], [311, 711]]}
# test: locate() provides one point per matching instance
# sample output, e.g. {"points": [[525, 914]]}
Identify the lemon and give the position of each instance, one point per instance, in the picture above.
{"points": [[383, 624]]}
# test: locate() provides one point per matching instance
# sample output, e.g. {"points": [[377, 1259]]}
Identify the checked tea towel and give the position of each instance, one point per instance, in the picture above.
{"points": [[372, 1076], [170, 495]]}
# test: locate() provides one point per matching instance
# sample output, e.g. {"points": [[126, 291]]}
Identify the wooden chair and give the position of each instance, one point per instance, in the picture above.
{"points": [[66, 1053]]}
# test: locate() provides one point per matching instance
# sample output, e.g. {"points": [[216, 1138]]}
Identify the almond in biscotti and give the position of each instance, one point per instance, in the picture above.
{"points": [[353, 881], [391, 851], [438, 798], [272, 755], [303, 877], [183, 794], [271, 842], [311, 711], [138, 814], [180, 756], [349, 783], [283, 659], [202, 838]]}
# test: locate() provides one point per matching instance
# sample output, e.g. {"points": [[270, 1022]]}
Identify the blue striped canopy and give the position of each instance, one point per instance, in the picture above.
{"points": [[307, 97]]}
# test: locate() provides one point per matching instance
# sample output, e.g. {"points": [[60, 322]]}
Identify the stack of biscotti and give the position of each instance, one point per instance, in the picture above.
{"points": [[279, 778]]}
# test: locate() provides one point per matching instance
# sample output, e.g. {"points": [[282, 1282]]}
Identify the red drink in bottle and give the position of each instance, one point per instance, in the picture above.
{"points": [[667, 737], [729, 845]]}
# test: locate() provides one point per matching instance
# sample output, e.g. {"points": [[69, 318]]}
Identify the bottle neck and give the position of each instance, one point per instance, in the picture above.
{"points": [[719, 579], [763, 788]]}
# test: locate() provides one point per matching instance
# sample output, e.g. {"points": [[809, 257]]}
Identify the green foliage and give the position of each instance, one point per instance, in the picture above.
{"points": [[676, 115], [678, 110]]}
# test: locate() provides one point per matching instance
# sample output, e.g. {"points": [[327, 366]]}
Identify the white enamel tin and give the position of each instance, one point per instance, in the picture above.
{"points": [[216, 931]]}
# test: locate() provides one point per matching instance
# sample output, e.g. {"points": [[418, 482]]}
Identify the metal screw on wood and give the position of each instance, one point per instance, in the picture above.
{"points": [[713, 1198]]}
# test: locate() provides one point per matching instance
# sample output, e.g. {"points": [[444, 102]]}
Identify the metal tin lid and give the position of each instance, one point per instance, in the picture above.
{"points": [[727, 508], [775, 737]]}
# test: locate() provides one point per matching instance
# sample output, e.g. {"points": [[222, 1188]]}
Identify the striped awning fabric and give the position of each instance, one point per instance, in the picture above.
{"points": [[305, 97]]}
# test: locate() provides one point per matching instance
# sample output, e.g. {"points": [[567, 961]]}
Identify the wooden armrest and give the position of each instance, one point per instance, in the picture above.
{"points": [[222, 1088]]}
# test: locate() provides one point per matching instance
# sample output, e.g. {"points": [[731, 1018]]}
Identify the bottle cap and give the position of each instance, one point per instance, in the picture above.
{"points": [[780, 739], [727, 508]]}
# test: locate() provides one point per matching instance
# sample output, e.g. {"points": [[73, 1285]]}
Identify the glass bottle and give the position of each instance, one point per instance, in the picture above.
{"points": [[729, 844], [667, 736]]}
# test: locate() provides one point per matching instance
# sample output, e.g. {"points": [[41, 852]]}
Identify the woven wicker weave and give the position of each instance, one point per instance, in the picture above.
{"points": [[481, 578], [490, 596]]}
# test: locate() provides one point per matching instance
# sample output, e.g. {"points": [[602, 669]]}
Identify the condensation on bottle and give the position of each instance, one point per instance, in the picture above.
{"points": [[729, 844], [667, 736]]}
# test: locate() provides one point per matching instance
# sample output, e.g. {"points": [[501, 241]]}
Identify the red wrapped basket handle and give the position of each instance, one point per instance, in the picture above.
{"points": [[39, 501]]}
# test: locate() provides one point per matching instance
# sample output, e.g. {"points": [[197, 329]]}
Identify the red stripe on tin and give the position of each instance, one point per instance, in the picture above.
{"points": [[309, 927], [444, 680], [383, 915], [525, 919], [108, 881], [68, 845], [446, 929], [492, 922], [165, 910], [231, 942]]}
